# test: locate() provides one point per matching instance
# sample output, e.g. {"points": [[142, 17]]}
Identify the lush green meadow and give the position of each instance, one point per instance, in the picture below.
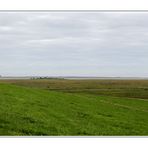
{"points": [[73, 107]]}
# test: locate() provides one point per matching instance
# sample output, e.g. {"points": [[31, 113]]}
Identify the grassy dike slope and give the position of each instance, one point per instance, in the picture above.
{"points": [[34, 111]]}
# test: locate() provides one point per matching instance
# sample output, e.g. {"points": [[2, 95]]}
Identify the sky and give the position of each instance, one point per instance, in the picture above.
{"points": [[103, 44]]}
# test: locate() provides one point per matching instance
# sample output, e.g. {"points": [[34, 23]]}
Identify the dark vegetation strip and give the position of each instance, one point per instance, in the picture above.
{"points": [[118, 88]]}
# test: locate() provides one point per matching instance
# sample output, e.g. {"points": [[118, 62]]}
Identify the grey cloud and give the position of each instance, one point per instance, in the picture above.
{"points": [[84, 44]]}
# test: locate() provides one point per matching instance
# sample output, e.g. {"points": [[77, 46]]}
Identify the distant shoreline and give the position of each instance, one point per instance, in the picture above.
{"points": [[72, 78]]}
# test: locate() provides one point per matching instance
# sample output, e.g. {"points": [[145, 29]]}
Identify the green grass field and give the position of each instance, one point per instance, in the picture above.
{"points": [[74, 107]]}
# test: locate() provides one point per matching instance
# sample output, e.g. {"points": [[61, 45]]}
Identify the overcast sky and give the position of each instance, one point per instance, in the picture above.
{"points": [[74, 44]]}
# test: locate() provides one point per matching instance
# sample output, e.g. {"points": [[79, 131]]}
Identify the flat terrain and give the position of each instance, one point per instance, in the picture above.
{"points": [[73, 107]]}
